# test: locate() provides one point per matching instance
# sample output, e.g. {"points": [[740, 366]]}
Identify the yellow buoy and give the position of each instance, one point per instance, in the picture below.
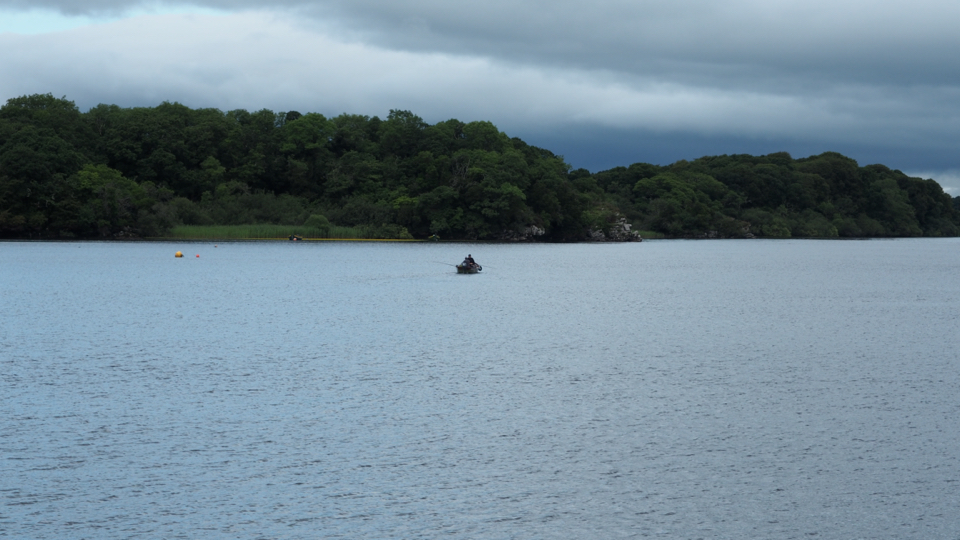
{"points": [[178, 254]]}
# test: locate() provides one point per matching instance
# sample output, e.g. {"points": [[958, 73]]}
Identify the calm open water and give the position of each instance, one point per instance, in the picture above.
{"points": [[674, 389]]}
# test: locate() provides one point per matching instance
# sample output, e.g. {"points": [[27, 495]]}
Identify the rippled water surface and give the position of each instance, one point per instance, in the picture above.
{"points": [[675, 389]]}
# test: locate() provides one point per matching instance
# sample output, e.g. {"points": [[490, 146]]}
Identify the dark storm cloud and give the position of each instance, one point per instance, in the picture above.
{"points": [[776, 44]]}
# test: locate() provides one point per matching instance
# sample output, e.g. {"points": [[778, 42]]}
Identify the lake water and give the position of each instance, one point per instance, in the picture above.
{"points": [[674, 389]]}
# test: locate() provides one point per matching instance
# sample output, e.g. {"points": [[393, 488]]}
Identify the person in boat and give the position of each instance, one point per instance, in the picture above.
{"points": [[469, 261]]}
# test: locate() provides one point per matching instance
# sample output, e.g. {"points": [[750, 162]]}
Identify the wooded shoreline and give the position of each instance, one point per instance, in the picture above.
{"points": [[118, 173]]}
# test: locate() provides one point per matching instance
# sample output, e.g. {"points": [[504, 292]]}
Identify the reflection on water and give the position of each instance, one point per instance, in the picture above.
{"points": [[725, 389]]}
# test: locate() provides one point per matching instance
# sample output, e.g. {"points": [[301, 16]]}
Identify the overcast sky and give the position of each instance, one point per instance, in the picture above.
{"points": [[604, 83]]}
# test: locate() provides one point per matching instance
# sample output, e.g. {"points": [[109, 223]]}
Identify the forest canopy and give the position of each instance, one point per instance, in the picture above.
{"points": [[138, 172]]}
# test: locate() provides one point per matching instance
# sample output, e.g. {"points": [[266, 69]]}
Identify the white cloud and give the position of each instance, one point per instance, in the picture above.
{"points": [[37, 20], [842, 74], [260, 59], [737, 42]]}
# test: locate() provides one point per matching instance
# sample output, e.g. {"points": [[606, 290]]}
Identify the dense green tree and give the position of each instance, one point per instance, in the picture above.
{"points": [[114, 172], [35, 164]]}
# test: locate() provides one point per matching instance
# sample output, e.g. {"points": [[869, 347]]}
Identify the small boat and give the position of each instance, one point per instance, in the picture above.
{"points": [[466, 268]]}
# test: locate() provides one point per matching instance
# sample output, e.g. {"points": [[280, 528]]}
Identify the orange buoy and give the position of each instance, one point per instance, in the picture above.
{"points": [[198, 255], [178, 254]]}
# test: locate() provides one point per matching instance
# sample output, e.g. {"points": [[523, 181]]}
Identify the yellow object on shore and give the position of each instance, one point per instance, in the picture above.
{"points": [[178, 254]]}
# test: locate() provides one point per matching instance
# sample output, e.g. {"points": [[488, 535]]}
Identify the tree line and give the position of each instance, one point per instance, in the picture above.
{"points": [[138, 172]]}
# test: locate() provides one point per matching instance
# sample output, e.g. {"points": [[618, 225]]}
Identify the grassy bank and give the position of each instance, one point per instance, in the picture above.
{"points": [[283, 232], [264, 232]]}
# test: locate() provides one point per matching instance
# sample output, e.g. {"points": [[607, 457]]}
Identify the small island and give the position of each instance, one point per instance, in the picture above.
{"points": [[173, 171]]}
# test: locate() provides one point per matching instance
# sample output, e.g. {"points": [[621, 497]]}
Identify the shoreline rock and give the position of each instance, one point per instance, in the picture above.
{"points": [[619, 231]]}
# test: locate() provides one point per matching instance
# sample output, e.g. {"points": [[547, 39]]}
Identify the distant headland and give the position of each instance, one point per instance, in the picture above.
{"points": [[173, 171]]}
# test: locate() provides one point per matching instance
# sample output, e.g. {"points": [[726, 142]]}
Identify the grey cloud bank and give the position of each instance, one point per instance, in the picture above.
{"points": [[604, 83], [851, 41]]}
